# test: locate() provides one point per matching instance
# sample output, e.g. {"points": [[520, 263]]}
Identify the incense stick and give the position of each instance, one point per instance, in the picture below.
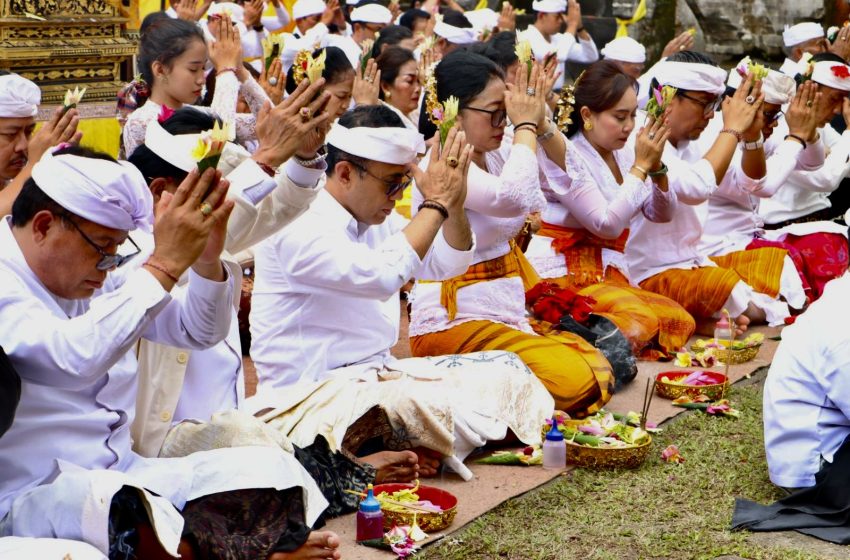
{"points": [[728, 352], [647, 400]]}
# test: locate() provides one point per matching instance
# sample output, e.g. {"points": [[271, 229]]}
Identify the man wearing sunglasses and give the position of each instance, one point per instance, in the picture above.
{"points": [[326, 293], [666, 258], [68, 452]]}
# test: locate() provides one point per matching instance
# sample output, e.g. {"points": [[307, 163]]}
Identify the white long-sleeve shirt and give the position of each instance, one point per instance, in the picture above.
{"points": [[806, 192], [564, 45], [326, 292], [807, 392], [498, 200], [77, 362], [587, 196], [734, 216]]}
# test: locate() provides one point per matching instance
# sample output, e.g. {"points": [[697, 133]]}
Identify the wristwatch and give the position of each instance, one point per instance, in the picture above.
{"points": [[757, 145]]}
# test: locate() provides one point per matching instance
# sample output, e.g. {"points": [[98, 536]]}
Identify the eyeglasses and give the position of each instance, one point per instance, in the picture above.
{"points": [[708, 107], [772, 116], [393, 187], [107, 261], [498, 117]]}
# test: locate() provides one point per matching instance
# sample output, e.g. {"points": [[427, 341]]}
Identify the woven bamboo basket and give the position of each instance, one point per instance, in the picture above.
{"points": [[668, 390], [733, 357], [607, 457]]}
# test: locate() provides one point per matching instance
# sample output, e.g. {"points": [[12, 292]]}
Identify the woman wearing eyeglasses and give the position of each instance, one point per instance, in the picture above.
{"points": [[591, 204], [484, 309]]}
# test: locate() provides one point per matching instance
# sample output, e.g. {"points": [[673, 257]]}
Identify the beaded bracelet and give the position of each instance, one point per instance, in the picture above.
{"points": [[228, 69], [739, 136], [434, 205], [161, 268]]}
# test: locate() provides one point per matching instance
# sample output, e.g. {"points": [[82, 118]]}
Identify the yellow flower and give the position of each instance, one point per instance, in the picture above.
{"points": [[522, 48], [450, 109], [202, 148], [221, 133], [272, 47], [683, 359], [428, 43], [315, 66], [74, 97]]}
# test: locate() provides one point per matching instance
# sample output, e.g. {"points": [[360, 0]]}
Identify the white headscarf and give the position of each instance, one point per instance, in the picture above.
{"points": [[111, 194], [691, 76], [802, 32], [398, 146], [625, 49], [19, 97]]}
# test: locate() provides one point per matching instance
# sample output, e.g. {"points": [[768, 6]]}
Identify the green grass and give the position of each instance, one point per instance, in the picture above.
{"points": [[658, 511]]}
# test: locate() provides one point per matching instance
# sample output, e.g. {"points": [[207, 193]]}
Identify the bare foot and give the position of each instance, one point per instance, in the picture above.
{"points": [[393, 466], [429, 461], [320, 545]]}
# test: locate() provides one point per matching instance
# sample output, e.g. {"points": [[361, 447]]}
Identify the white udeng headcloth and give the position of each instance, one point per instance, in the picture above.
{"points": [[19, 97], [832, 74], [175, 149], [113, 195], [371, 13], [690, 76], [802, 32], [776, 87], [549, 6], [456, 35], [395, 145], [625, 49]]}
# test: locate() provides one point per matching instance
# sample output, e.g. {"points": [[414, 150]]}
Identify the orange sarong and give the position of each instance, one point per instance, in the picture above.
{"points": [[656, 326], [703, 291]]}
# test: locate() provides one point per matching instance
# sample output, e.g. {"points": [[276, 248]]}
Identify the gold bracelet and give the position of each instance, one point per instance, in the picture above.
{"points": [[642, 170]]}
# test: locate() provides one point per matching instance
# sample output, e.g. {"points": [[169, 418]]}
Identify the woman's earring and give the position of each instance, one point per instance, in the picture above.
{"points": [[588, 125], [388, 95]]}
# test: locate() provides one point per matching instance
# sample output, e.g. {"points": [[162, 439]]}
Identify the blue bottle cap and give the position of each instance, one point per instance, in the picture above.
{"points": [[369, 503], [554, 434]]}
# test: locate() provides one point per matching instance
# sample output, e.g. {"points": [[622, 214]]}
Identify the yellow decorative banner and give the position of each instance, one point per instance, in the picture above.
{"points": [[623, 24]]}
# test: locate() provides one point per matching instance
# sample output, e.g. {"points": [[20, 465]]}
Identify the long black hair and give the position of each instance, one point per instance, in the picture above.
{"points": [[463, 74], [163, 40]]}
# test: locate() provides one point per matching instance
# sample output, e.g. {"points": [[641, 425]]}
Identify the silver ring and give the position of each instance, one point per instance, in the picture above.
{"points": [[750, 100], [272, 81], [531, 92], [369, 80], [651, 136]]}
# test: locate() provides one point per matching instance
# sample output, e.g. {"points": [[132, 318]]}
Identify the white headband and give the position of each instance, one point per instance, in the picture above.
{"points": [[175, 149], [625, 49], [690, 76], [306, 8], [802, 32], [549, 6], [832, 74], [456, 35], [398, 146], [776, 87], [113, 195], [371, 13], [482, 19], [19, 97]]}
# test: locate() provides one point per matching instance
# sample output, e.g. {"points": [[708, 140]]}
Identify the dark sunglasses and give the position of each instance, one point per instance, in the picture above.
{"points": [[393, 187], [107, 261], [708, 107]]}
